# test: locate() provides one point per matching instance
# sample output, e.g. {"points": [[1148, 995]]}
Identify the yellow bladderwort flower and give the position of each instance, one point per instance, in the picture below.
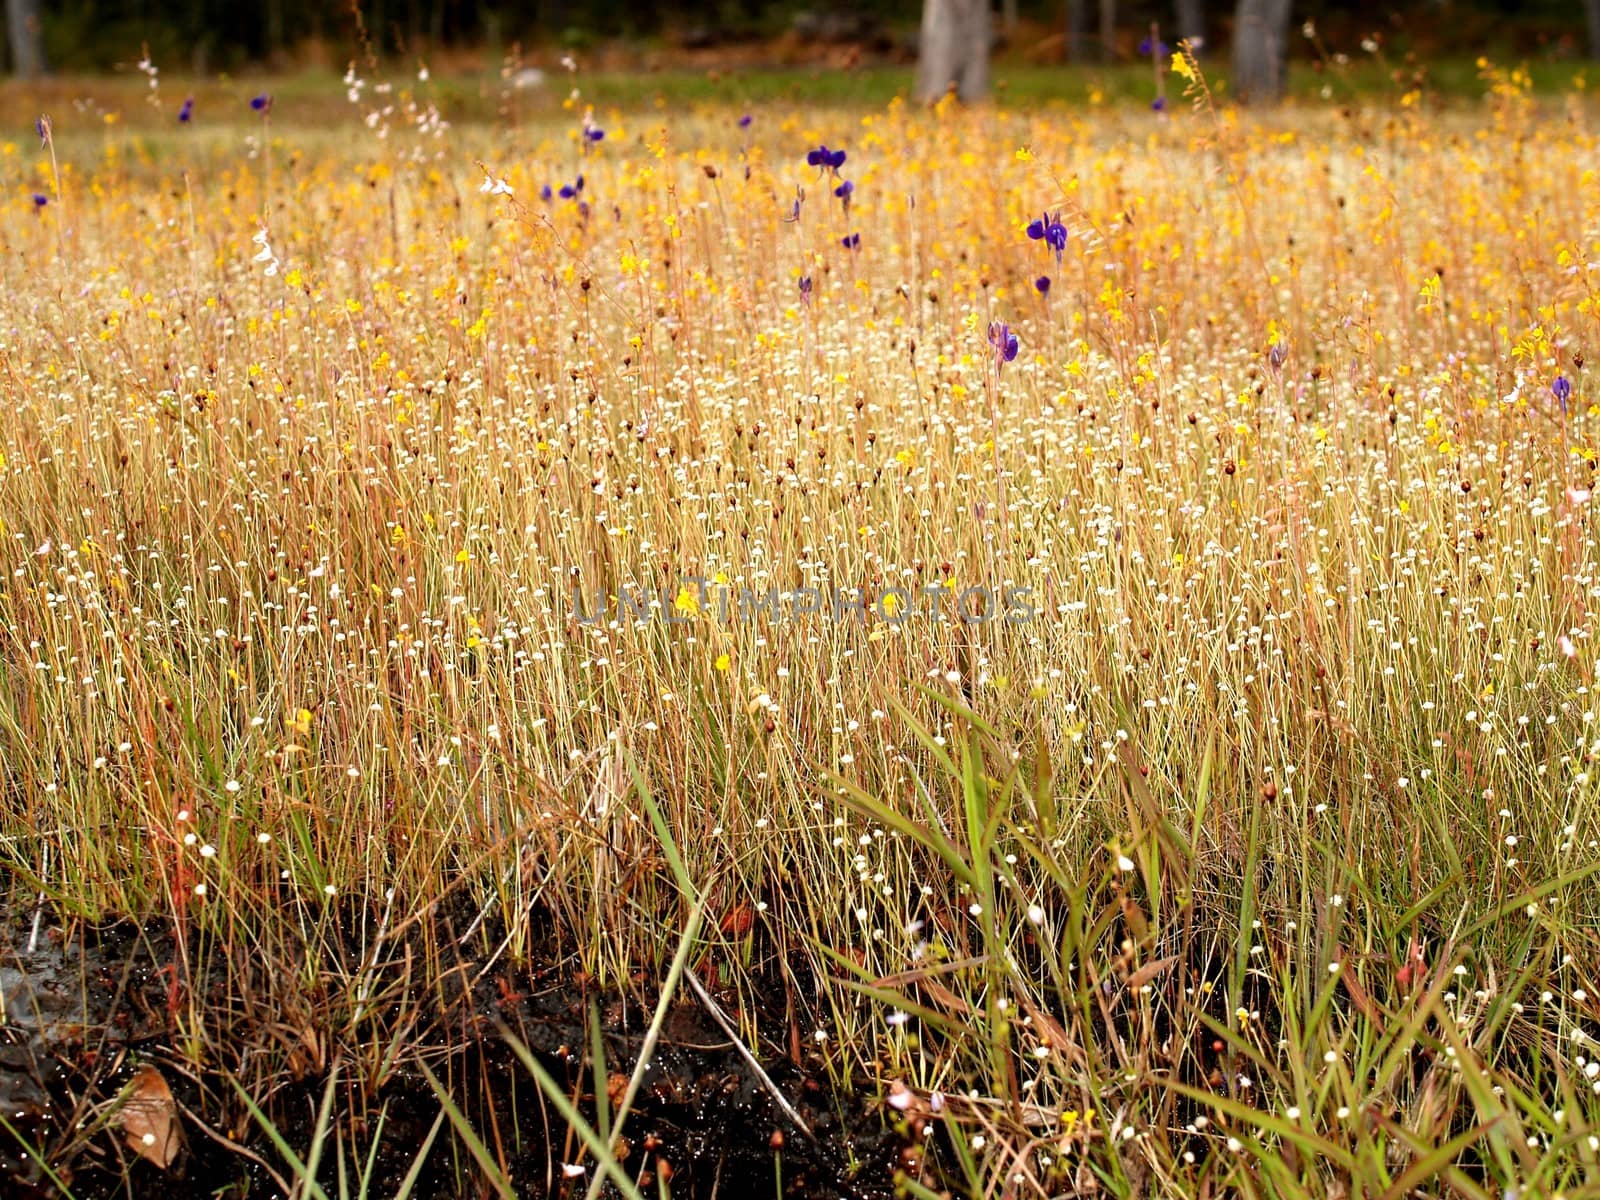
{"points": [[687, 603]]}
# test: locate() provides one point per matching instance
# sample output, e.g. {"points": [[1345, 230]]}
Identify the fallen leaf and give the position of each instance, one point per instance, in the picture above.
{"points": [[149, 1118], [1150, 971]]}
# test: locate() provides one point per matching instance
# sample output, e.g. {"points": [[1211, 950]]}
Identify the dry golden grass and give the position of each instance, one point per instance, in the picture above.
{"points": [[1275, 809]]}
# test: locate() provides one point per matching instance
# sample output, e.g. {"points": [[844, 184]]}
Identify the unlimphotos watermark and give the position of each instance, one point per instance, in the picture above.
{"points": [[696, 598]]}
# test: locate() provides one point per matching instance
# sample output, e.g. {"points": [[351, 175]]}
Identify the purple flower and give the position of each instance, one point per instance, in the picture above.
{"points": [[844, 191], [186, 113], [570, 191], [1159, 104], [40, 200], [851, 241], [1561, 389], [1278, 354], [592, 133], [43, 126], [805, 289], [744, 121], [1004, 342], [261, 103], [545, 193], [1153, 47], [1042, 285], [1049, 230], [828, 160]]}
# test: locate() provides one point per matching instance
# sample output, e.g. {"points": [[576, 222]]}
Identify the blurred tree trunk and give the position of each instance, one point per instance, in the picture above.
{"points": [[1008, 15], [1594, 28], [954, 49], [274, 31], [1108, 29], [1260, 42], [1192, 22], [27, 46], [1076, 16]]}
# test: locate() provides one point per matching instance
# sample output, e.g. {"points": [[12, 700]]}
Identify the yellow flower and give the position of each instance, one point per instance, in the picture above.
{"points": [[687, 603], [724, 662]]}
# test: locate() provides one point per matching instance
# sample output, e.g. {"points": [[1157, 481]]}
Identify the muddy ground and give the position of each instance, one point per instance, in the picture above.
{"points": [[89, 1010]]}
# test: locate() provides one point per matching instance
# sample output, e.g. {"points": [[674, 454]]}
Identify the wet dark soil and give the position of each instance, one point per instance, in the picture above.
{"points": [[87, 1008]]}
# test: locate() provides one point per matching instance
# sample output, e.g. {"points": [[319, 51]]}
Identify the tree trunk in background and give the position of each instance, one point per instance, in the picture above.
{"points": [[1260, 41], [1594, 28], [27, 44], [1008, 15], [954, 49], [1192, 22], [274, 31], [1108, 29], [1076, 17]]}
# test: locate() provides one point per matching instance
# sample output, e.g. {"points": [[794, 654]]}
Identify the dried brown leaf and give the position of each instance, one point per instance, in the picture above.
{"points": [[149, 1119], [1151, 971]]}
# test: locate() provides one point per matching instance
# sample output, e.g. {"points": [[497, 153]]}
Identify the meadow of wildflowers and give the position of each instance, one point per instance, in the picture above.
{"points": [[1073, 625]]}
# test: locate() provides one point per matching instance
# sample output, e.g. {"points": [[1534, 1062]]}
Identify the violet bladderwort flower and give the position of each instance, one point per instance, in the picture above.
{"points": [[1561, 389], [262, 103], [186, 111], [793, 214], [1005, 344], [805, 289], [1049, 230], [1042, 285], [851, 241], [825, 159], [844, 191], [42, 125]]}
